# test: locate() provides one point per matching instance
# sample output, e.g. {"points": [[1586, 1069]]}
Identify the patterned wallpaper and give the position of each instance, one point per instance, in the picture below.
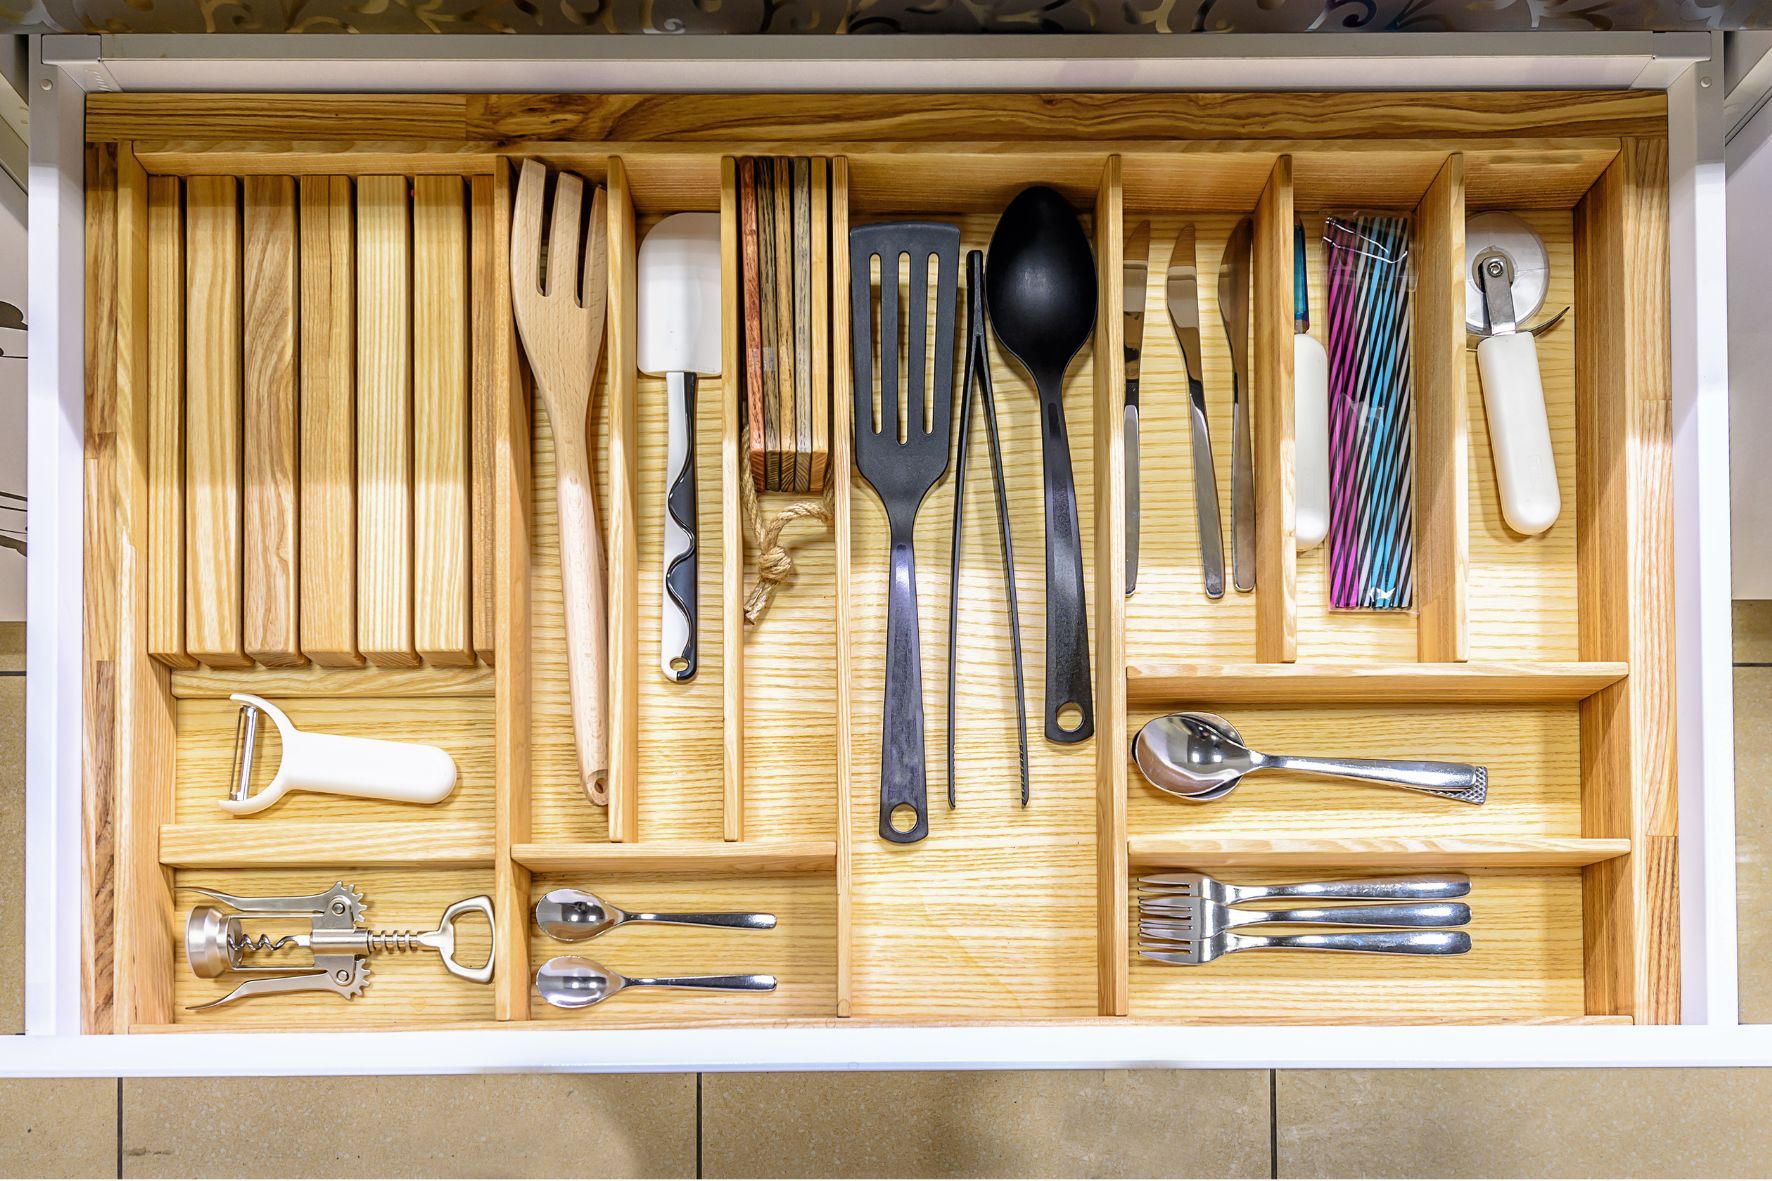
{"points": [[872, 16]]}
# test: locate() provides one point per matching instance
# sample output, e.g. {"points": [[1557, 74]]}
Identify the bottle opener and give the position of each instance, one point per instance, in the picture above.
{"points": [[216, 942], [373, 768]]}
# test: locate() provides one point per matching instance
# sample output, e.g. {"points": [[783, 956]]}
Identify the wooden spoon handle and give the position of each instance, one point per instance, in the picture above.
{"points": [[587, 617]]}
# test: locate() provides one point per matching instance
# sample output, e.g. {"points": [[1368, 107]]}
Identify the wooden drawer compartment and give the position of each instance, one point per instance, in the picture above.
{"points": [[755, 785]]}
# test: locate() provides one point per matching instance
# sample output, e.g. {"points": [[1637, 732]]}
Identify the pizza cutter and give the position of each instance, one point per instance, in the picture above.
{"points": [[1507, 272]]}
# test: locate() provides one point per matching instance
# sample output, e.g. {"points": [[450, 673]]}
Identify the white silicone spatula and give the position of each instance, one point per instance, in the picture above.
{"points": [[679, 339]]}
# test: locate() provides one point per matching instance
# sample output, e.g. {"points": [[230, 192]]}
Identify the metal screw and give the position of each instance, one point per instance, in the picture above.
{"points": [[46, 84], [1704, 82], [339, 906], [1495, 267], [342, 976]]}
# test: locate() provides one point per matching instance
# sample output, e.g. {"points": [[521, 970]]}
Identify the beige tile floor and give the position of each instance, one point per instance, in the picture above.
{"points": [[1073, 1123]]}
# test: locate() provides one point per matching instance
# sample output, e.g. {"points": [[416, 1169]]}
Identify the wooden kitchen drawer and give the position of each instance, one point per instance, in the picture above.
{"points": [[221, 229]]}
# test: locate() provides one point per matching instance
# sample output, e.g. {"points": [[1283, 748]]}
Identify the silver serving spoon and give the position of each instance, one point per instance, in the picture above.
{"points": [[573, 916], [1200, 757], [573, 982]]}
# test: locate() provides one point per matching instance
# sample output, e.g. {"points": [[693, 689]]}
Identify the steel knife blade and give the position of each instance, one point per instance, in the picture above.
{"points": [[1183, 287], [1135, 269], [1233, 305]]}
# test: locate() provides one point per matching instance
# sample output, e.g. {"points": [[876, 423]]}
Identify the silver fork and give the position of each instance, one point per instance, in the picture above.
{"points": [[1200, 918], [1192, 952], [1166, 889]]}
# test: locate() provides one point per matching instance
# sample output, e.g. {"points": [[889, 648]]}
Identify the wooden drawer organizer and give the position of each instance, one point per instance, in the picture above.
{"points": [[307, 226]]}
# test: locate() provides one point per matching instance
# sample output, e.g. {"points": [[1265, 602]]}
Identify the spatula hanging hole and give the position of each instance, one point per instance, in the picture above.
{"points": [[1069, 717], [903, 818]]}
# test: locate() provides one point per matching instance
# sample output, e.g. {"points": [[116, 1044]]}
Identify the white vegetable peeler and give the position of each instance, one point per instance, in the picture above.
{"points": [[373, 768], [1506, 275]]}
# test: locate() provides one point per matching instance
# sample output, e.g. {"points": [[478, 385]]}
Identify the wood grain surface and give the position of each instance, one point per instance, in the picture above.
{"points": [[1625, 433], [328, 422], [269, 518], [99, 608], [165, 311], [1442, 422], [712, 119], [384, 421], [1110, 596], [756, 785], [441, 463], [144, 733], [213, 633], [488, 279], [1271, 392], [1525, 962]]}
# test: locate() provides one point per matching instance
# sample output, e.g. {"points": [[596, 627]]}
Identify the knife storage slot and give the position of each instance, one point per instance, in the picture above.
{"points": [[756, 784]]}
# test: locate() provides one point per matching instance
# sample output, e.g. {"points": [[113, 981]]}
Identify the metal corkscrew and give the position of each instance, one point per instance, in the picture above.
{"points": [[216, 942]]}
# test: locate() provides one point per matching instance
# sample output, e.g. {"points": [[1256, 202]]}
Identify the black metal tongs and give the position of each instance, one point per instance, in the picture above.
{"points": [[978, 373]]}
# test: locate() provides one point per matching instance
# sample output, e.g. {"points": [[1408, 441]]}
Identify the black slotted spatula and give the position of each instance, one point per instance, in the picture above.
{"points": [[902, 461]]}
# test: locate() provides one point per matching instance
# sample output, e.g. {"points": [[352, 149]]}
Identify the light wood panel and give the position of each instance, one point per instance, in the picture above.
{"points": [[1270, 377], [511, 532], [462, 726], [680, 857], [842, 490], [165, 311], [328, 422], [1084, 117], [144, 734], [99, 610], [1624, 413], [489, 260], [295, 844], [1178, 684], [1532, 753], [404, 991], [384, 422], [625, 671], [441, 465], [1524, 963], [271, 617], [732, 524], [1110, 596], [798, 952], [1523, 599], [1442, 433], [324, 682], [1415, 854], [1326, 633], [953, 910], [680, 740], [213, 634]]}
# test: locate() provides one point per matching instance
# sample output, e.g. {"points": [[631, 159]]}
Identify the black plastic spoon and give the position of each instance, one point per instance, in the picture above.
{"points": [[1040, 286]]}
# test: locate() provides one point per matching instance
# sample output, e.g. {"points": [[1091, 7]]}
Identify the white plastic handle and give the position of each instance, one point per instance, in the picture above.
{"points": [[373, 768], [1310, 395], [1519, 432], [677, 609]]}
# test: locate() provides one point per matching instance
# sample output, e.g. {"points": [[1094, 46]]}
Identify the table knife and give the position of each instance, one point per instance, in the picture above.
{"points": [[1184, 313], [1233, 305], [1135, 269]]}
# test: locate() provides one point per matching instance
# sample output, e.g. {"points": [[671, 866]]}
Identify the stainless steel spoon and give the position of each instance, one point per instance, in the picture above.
{"points": [[573, 916], [1200, 757], [573, 982]]}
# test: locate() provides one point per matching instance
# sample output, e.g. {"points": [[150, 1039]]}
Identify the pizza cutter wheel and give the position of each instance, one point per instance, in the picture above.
{"points": [[1507, 272]]}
